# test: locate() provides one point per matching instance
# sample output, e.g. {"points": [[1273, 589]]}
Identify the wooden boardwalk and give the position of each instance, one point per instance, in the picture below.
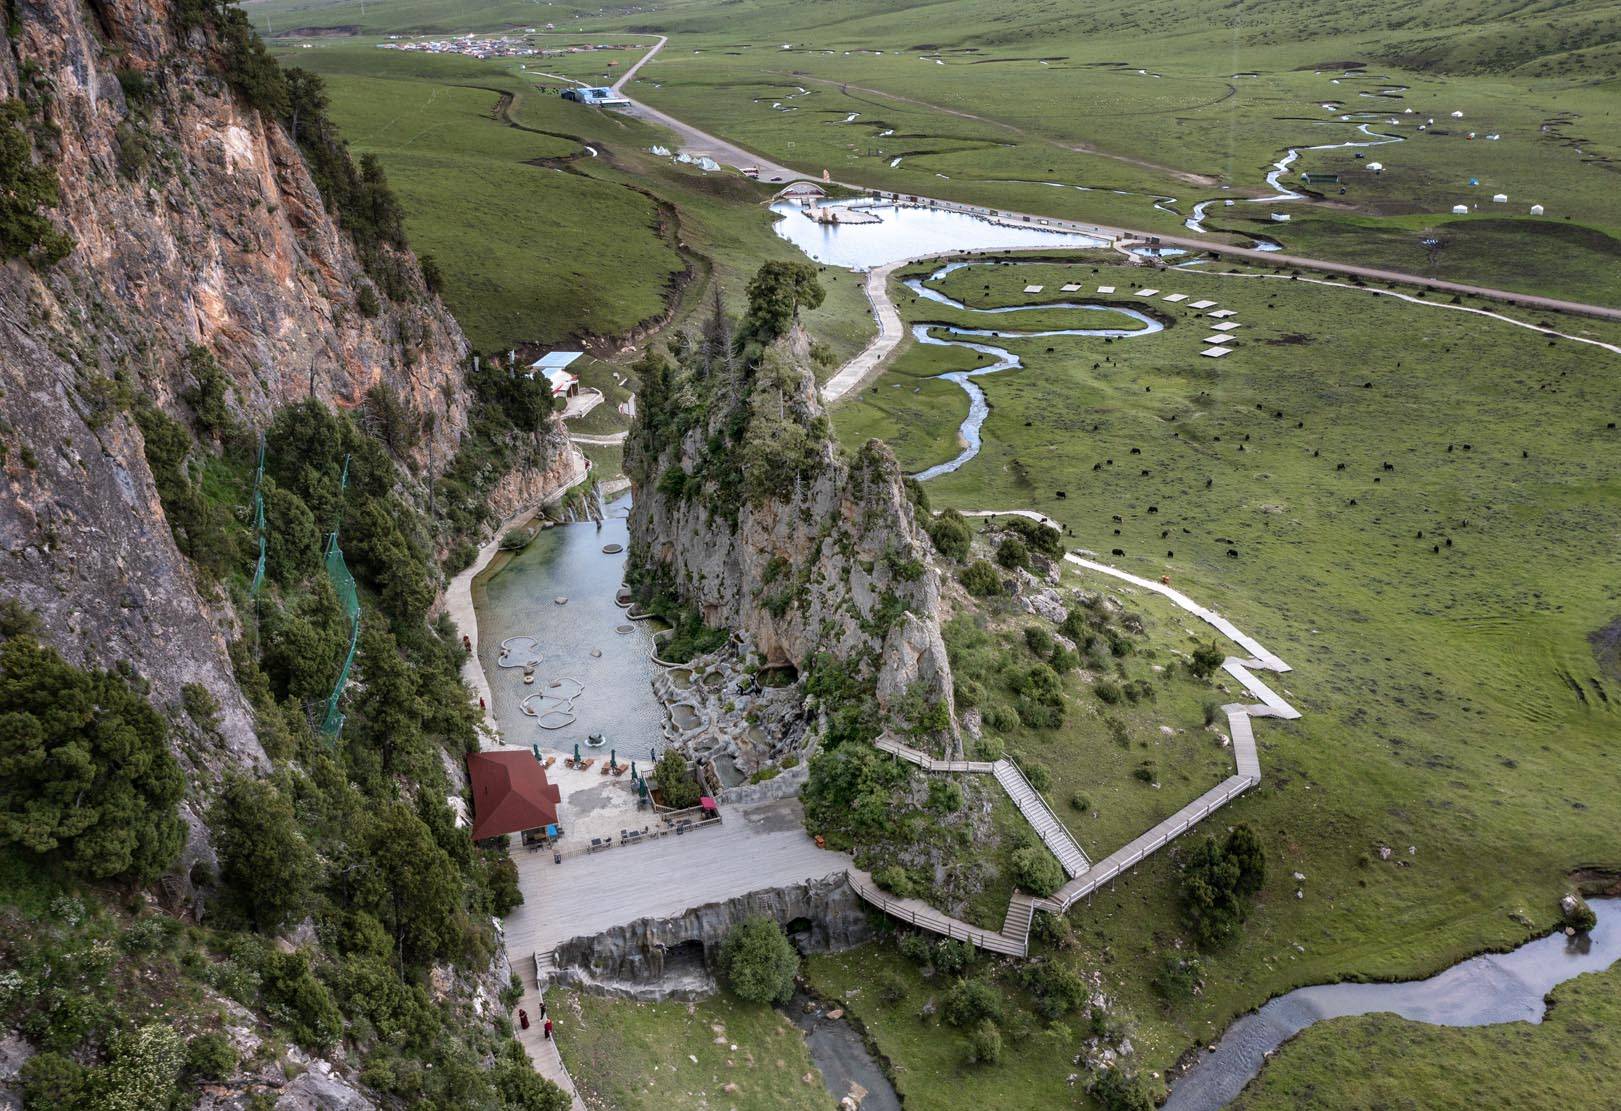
{"points": [[1085, 876]]}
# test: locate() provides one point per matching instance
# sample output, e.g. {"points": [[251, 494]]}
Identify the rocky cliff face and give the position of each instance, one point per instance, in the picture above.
{"points": [[811, 554], [665, 958], [196, 223]]}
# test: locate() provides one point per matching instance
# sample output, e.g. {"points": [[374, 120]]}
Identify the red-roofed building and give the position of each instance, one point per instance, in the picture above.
{"points": [[510, 793]]}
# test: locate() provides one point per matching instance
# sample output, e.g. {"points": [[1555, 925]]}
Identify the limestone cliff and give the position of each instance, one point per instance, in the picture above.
{"points": [[195, 223], [745, 512]]}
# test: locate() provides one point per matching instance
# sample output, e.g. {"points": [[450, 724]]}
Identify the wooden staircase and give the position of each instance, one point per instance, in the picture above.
{"points": [[1041, 818]]}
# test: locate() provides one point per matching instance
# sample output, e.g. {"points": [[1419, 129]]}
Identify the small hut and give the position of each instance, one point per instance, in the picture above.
{"points": [[1536, 210]]}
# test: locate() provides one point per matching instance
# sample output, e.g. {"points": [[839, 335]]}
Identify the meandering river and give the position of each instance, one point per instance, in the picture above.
{"points": [[1002, 359], [1504, 987]]}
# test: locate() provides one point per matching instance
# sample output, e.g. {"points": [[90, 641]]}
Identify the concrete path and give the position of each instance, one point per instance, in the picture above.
{"points": [[753, 848], [541, 1049], [607, 439]]}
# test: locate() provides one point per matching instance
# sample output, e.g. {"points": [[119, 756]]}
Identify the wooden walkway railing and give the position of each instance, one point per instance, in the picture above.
{"points": [[1014, 939], [920, 914]]}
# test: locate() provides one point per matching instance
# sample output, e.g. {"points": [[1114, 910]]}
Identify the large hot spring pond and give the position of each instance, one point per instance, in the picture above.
{"points": [[517, 596]]}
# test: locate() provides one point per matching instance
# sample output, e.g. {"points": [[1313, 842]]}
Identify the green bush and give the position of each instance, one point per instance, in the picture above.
{"points": [[210, 1056], [980, 579], [1037, 537], [951, 956], [1107, 690], [677, 788], [945, 796], [1113, 1089], [54, 1080], [985, 1044], [1038, 775], [951, 535], [1179, 977], [294, 998], [1146, 772], [970, 1002], [1001, 717], [1057, 989], [1011, 553], [1039, 641], [1205, 660], [1036, 871], [267, 868], [896, 880], [758, 962], [26, 187], [1080, 802], [88, 776]]}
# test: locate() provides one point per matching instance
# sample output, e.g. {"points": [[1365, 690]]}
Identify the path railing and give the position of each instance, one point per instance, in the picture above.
{"points": [[923, 916]]}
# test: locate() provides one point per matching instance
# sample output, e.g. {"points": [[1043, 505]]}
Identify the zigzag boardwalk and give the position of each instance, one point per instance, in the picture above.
{"points": [[1086, 877], [1052, 832]]}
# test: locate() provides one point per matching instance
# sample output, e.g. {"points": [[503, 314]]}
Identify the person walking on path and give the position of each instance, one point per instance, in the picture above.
{"points": [[542, 1008], [548, 1029]]}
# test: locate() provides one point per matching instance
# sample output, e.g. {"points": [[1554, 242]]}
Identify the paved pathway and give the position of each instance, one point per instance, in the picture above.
{"points": [[753, 848], [607, 439], [541, 1049]]}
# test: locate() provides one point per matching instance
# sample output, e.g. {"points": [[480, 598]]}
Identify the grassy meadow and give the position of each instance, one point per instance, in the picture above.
{"points": [[1453, 703]]}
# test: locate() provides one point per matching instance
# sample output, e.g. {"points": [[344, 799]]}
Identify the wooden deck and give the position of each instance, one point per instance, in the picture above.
{"points": [[917, 913]]}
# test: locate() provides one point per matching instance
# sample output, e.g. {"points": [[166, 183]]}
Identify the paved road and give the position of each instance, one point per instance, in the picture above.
{"points": [[697, 142]]}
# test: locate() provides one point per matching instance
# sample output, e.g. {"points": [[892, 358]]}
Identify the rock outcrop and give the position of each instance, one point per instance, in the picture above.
{"points": [[196, 223], [750, 516], [665, 958]]}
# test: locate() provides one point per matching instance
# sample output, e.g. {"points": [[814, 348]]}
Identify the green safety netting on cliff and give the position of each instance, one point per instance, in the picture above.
{"points": [[259, 520], [344, 583]]}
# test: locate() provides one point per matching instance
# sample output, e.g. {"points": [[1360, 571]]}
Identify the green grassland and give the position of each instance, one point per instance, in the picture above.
{"points": [[634, 1056], [1439, 688], [539, 240], [1568, 1060]]}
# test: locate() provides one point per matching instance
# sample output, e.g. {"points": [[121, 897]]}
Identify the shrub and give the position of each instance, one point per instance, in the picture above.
{"points": [[675, 783], [759, 962], [915, 948], [1001, 717], [1039, 641], [1244, 847], [54, 1080], [1179, 977], [980, 579], [896, 880], [1057, 989], [1205, 660], [300, 1002], [985, 1044], [1080, 802], [1114, 1089], [945, 796], [210, 1056], [951, 956], [1011, 553], [1035, 870], [1107, 690], [1038, 775], [891, 989], [970, 1002], [1146, 772], [25, 188], [1054, 929], [88, 776], [267, 867], [1037, 537], [951, 535]]}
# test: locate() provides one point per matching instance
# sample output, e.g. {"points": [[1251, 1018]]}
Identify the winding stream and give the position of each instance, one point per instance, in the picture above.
{"points": [[1274, 180], [1003, 359], [1505, 987]]}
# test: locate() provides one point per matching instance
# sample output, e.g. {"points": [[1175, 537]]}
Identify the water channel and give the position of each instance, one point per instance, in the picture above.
{"points": [[1002, 358], [841, 1055], [587, 638], [1505, 987], [910, 231]]}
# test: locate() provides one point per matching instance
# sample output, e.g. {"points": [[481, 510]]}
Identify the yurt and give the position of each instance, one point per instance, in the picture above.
{"points": [[1376, 167], [1460, 210], [1536, 210], [1457, 115], [1499, 198]]}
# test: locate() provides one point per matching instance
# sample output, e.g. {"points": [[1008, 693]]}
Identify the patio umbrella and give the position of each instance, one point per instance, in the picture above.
{"points": [[576, 752], [613, 761], [633, 773]]}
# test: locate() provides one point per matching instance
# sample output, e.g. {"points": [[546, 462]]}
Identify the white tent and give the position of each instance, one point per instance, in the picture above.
{"points": [[1376, 167], [1457, 115], [1460, 210], [1499, 198], [1536, 210]]}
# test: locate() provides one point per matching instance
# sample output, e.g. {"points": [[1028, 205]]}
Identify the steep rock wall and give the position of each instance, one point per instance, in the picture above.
{"points": [[827, 559], [220, 239], [663, 958]]}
